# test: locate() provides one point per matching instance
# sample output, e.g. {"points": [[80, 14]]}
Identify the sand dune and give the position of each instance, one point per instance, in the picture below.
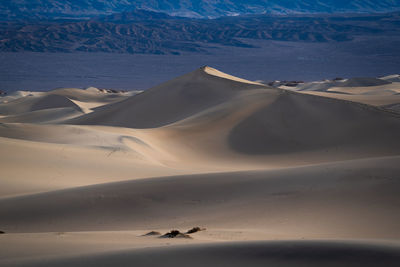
{"points": [[91, 98], [51, 115], [283, 253], [285, 126], [383, 92], [352, 199], [283, 120], [170, 102], [56, 164], [348, 86], [362, 82], [90, 94], [316, 86], [379, 100], [55, 106], [86, 173], [34, 103], [391, 78], [388, 89], [18, 94]]}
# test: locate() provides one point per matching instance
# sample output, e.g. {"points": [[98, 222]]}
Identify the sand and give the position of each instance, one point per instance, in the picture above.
{"points": [[383, 92], [303, 176], [243, 254]]}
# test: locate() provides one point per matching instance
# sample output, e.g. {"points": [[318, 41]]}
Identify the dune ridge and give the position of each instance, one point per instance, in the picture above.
{"points": [[171, 101]]}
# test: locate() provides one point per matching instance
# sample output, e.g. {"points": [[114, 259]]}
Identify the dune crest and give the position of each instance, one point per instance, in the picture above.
{"points": [[221, 74]]}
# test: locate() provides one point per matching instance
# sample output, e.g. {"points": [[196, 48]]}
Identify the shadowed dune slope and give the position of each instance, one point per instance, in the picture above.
{"points": [[298, 122], [171, 101], [352, 199], [34, 103], [316, 86], [90, 94], [51, 115], [362, 82], [57, 105], [272, 253], [350, 86]]}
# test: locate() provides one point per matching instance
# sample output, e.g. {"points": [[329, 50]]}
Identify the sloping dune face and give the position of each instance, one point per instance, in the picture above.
{"points": [[90, 94], [355, 199], [52, 115], [35, 103], [297, 122], [55, 106], [170, 102], [87, 175], [362, 82], [379, 92]]}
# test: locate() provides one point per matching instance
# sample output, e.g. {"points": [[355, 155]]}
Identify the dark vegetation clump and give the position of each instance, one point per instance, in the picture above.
{"points": [[178, 234], [175, 234], [152, 233], [195, 230], [172, 234]]}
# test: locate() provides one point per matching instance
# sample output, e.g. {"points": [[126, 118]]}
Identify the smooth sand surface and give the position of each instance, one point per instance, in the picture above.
{"points": [[276, 177], [351, 199], [295, 253]]}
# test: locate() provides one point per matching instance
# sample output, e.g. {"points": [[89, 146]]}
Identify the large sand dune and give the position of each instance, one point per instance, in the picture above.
{"points": [[86, 173], [171, 101], [354, 199]]}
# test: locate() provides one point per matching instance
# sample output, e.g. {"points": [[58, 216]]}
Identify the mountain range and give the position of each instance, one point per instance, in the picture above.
{"points": [[31, 9], [150, 32]]}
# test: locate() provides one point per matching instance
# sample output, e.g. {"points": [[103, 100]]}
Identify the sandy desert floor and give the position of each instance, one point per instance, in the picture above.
{"points": [[273, 176]]}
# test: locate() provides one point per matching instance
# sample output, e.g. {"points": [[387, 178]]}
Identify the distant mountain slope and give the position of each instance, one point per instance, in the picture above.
{"points": [[158, 33], [190, 8]]}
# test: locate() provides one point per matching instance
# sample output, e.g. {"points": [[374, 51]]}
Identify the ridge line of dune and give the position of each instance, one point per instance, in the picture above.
{"points": [[361, 105], [223, 75], [196, 175]]}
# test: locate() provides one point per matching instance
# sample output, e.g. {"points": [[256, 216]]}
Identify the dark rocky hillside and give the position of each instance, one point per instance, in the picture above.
{"points": [[159, 33]]}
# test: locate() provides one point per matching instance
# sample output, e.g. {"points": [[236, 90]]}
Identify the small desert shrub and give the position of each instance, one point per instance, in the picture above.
{"points": [[175, 234], [195, 230]]}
